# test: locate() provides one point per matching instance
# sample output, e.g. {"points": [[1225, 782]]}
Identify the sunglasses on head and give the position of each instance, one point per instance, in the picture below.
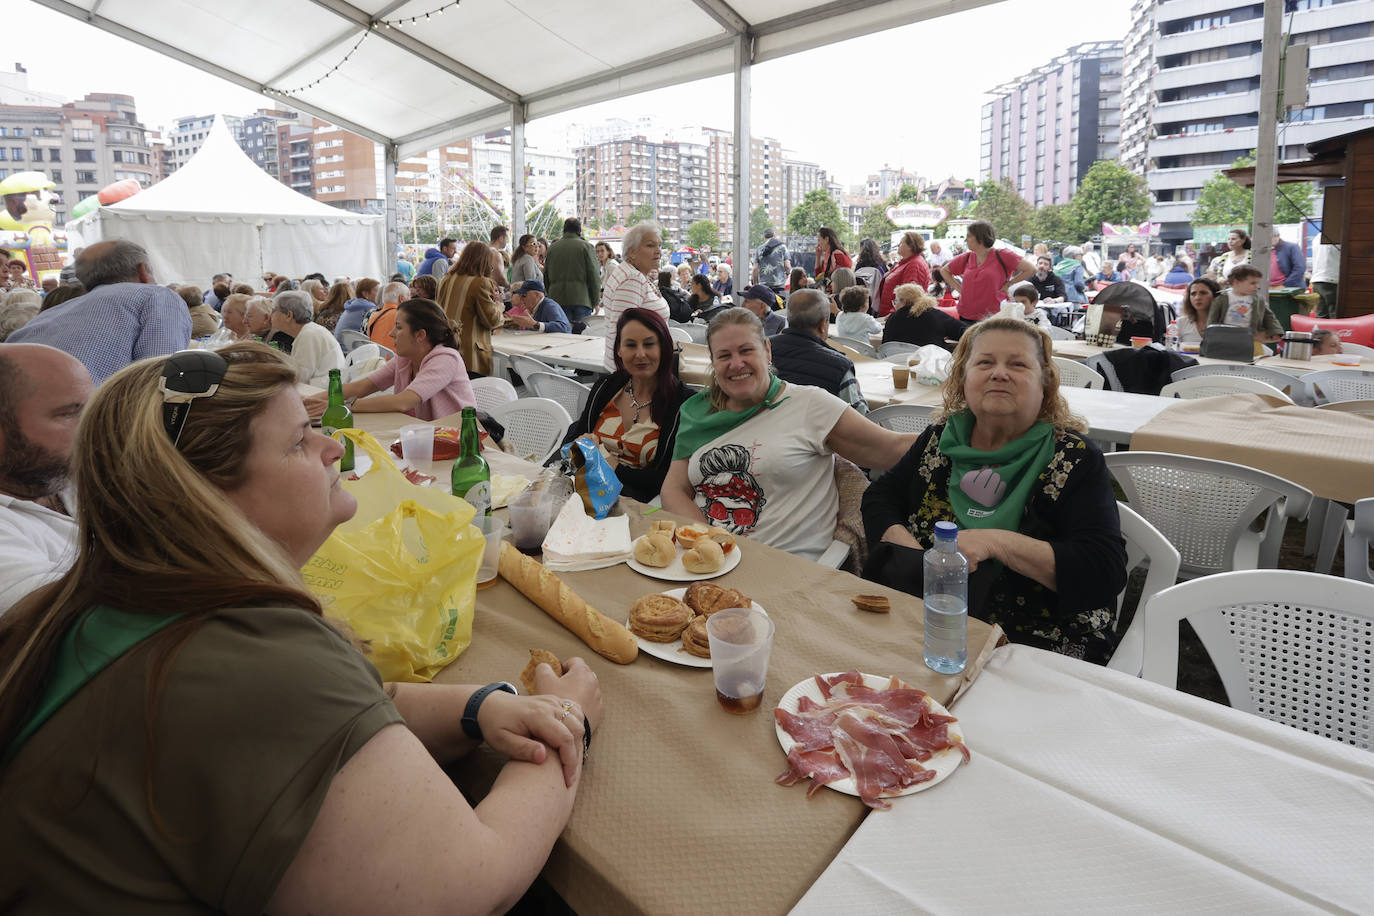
{"points": [[187, 376]]}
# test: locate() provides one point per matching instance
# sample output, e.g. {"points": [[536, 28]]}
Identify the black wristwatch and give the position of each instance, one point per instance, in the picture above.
{"points": [[470, 726]]}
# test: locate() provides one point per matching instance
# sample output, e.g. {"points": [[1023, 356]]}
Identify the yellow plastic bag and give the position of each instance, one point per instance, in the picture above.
{"points": [[403, 571]]}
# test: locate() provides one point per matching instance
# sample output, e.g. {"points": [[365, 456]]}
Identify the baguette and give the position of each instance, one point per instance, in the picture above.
{"points": [[609, 639]]}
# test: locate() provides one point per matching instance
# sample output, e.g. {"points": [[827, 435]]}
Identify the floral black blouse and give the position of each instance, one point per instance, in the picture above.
{"points": [[1072, 506]]}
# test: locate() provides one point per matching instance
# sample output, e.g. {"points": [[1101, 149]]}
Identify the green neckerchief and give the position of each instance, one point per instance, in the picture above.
{"points": [[99, 637], [700, 424], [996, 500], [1066, 266]]}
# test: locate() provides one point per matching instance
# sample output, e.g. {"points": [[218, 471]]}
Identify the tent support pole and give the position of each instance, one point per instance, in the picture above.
{"points": [[389, 173], [517, 174], [1266, 153], [744, 57]]}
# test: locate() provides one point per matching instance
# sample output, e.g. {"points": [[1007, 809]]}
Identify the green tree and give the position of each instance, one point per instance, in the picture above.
{"points": [[999, 204], [704, 233], [609, 219], [758, 224], [641, 214], [1109, 193], [1223, 201], [544, 221], [816, 209], [593, 224], [876, 225], [1054, 223]]}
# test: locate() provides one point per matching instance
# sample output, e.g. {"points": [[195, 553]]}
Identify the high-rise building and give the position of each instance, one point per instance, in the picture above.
{"points": [[1137, 86], [798, 179], [694, 182], [618, 176], [1206, 91], [295, 162], [349, 170], [82, 146], [765, 179], [1045, 130], [887, 181], [259, 137]]}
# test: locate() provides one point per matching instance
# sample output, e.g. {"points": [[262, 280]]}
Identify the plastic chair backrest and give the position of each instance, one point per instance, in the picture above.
{"points": [[681, 335], [1144, 544], [1289, 645], [360, 361], [1359, 532], [1354, 349], [1076, 375], [571, 393], [1363, 407], [491, 391], [1288, 384], [1205, 507], [1211, 386], [862, 347], [893, 347], [1341, 384], [902, 418], [534, 426], [1058, 333], [352, 340], [523, 365]]}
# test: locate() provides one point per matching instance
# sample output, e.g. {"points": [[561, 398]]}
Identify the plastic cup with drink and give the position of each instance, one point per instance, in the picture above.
{"points": [[740, 639], [417, 446]]}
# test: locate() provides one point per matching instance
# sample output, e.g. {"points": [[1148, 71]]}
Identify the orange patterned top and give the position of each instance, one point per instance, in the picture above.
{"points": [[636, 446]]}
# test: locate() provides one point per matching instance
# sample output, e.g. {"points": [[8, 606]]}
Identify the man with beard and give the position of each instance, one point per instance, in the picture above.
{"points": [[42, 393]]}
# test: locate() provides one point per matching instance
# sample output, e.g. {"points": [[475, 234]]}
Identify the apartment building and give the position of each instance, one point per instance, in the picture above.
{"points": [[349, 170], [765, 179], [888, 181], [618, 176], [1137, 86], [1206, 91], [190, 133], [694, 182], [799, 178], [82, 146], [1044, 130]]}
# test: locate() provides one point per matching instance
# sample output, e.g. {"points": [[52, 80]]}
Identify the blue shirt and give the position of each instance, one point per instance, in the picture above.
{"points": [[551, 314], [112, 326]]}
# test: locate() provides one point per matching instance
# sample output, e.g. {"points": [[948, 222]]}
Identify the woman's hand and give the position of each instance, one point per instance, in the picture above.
{"points": [[979, 544], [521, 727]]}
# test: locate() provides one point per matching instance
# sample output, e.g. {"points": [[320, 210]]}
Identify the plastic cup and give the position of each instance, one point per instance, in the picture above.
{"points": [[494, 530], [417, 445], [1139, 341], [740, 640], [901, 375]]}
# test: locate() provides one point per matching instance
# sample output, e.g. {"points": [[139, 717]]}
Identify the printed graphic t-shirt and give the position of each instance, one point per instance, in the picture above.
{"points": [[772, 478]]}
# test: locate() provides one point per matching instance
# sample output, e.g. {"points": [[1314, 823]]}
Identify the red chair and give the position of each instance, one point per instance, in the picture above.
{"points": [[1353, 330]]}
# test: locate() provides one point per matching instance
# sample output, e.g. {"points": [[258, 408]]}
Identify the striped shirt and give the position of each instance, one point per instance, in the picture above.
{"points": [[112, 326], [628, 287]]}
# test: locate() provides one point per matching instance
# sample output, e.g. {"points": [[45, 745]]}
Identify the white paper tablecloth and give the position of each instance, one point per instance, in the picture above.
{"points": [[1094, 792]]}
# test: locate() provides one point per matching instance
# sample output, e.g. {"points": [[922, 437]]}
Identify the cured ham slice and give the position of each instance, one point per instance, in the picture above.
{"points": [[821, 767], [850, 677]]}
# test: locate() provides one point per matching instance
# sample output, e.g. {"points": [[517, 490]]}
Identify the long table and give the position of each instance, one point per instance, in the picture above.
{"points": [[676, 788], [1094, 792], [1082, 350]]}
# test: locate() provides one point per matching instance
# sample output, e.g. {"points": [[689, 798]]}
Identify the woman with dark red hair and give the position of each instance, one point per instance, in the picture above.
{"points": [[633, 412]]}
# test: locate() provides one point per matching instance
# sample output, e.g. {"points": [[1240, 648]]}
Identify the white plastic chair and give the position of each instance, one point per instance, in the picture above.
{"points": [[1058, 333], [534, 426], [862, 347], [352, 340], [1208, 509], [491, 391], [1364, 407], [1290, 646], [1290, 385], [595, 326], [681, 335], [1340, 384], [522, 366], [693, 330], [363, 360], [902, 418], [571, 393], [1354, 349], [894, 347], [1074, 374], [1144, 544], [1359, 531], [1211, 386]]}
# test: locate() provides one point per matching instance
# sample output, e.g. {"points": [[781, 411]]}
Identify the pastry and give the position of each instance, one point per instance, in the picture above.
{"points": [[706, 598], [725, 539], [705, 557], [539, 657], [659, 618], [694, 638], [608, 638], [878, 604], [655, 550], [664, 526], [688, 535]]}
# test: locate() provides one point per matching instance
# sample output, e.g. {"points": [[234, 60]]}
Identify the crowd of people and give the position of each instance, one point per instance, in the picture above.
{"points": [[157, 504]]}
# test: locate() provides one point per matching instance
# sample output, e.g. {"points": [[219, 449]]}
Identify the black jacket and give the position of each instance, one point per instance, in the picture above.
{"points": [[802, 358], [930, 327], [1052, 287], [645, 483], [678, 308]]}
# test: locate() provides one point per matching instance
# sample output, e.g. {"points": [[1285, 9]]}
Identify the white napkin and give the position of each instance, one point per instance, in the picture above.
{"points": [[577, 542]]}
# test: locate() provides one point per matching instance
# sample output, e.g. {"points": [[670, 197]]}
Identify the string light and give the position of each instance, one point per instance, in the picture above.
{"points": [[375, 24]]}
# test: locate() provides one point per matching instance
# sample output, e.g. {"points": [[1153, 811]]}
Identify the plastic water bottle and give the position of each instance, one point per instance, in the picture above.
{"points": [[946, 600]]}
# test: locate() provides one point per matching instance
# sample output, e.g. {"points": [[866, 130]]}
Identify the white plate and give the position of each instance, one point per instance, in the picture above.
{"points": [[676, 572], [943, 762], [673, 651]]}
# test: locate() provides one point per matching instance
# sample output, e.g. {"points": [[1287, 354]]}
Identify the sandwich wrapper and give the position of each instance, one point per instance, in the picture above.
{"points": [[577, 542]]}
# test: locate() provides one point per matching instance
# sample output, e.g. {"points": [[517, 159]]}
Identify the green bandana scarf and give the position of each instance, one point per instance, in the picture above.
{"points": [[990, 489], [1066, 266], [700, 425]]}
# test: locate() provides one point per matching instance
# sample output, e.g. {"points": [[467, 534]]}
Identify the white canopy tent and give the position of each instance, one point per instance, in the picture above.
{"points": [[220, 212]]}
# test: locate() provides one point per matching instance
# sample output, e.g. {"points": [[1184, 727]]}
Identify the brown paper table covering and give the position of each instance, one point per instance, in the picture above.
{"points": [[522, 343], [1330, 453]]}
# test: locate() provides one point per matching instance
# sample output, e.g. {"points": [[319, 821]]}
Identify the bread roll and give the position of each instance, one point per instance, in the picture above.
{"points": [[725, 539], [664, 526], [688, 535], [539, 657], [877, 604], [655, 550], [606, 637], [706, 598], [705, 557]]}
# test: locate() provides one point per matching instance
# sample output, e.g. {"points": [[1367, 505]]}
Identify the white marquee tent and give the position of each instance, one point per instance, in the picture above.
{"points": [[219, 212]]}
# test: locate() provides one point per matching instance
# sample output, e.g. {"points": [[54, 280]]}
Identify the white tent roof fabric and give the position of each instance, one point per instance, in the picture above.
{"points": [[417, 85], [220, 212]]}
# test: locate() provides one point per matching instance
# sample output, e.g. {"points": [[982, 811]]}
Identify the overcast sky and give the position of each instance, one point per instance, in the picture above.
{"points": [[908, 97]]}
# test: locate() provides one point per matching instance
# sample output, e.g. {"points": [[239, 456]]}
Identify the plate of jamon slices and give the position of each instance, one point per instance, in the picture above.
{"points": [[865, 735]]}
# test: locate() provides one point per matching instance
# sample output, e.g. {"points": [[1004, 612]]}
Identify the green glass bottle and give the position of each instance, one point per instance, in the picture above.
{"points": [[471, 478], [337, 416]]}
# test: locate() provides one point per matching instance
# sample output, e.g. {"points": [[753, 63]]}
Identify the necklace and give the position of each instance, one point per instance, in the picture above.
{"points": [[630, 390]]}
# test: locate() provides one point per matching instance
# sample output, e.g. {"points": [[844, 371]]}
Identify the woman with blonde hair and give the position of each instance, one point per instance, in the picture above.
{"points": [[755, 454], [329, 312], [1010, 464], [179, 694], [918, 319], [468, 297]]}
